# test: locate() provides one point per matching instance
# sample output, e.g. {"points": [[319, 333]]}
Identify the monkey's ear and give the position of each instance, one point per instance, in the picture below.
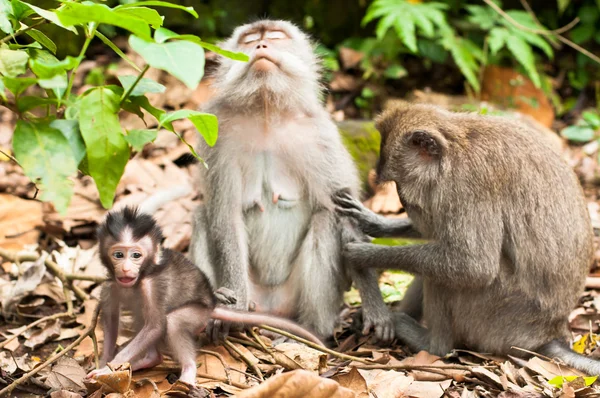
{"points": [[427, 144]]}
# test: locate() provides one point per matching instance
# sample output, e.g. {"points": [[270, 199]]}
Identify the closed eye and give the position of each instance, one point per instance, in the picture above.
{"points": [[275, 35], [251, 37]]}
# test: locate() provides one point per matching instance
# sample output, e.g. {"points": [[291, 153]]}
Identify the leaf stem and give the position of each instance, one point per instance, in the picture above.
{"points": [[130, 90], [20, 32], [89, 36]]}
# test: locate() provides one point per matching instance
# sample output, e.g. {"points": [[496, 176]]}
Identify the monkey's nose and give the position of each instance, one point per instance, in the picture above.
{"points": [[261, 45]]}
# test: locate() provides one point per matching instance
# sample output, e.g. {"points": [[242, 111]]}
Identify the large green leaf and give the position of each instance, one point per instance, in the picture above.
{"points": [[522, 52], [160, 4], [17, 85], [182, 59], [41, 38], [138, 138], [107, 149], [144, 85], [497, 39], [45, 154], [47, 67], [5, 13], [82, 13], [70, 129], [49, 15], [13, 62], [26, 103], [152, 17], [207, 124], [161, 35], [578, 133]]}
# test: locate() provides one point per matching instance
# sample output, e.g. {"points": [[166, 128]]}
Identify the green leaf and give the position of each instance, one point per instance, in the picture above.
{"points": [[70, 130], [578, 133], [522, 52], [482, 16], [82, 13], [17, 85], [558, 381], [42, 39], [49, 15], [463, 54], [160, 4], [5, 13], [562, 5], [2, 88], [583, 33], [497, 39], [142, 102], [395, 72], [142, 87], [206, 123], [138, 138], [182, 59], [13, 62], [107, 149], [27, 103], [149, 15], [45, 154], [47, 67], [592, 118], [161, 35]]}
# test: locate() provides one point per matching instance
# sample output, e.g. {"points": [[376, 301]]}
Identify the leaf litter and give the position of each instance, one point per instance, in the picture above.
{"points": [[29, 291]]}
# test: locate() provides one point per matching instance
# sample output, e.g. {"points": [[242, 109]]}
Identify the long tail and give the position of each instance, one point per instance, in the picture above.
{"points": [[155, 201], [560, 349], [257, 319]]}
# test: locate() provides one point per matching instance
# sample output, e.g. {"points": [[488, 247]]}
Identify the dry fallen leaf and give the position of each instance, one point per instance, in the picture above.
{"points": [[27, 282], [297, 384], [19, 220], [386, 383], [118, 381], [308, 358], [47, 331], [67, 374], [65, 394], [354, 381]]}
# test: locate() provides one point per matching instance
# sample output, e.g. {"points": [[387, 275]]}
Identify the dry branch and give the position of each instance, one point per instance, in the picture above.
{"points": [[33, 324]]}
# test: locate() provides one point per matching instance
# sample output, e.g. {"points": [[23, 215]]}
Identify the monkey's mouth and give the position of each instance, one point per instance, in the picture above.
{"points": [[126, 281]]}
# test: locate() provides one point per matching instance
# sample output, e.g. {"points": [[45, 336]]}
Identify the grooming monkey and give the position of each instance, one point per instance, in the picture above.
{"points": [[170, 298], [510, 235], [267, 229]]}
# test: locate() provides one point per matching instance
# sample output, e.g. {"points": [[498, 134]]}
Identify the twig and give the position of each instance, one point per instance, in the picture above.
{"points": [[68, 299], [54, 358], [245, 374], [245, 342], [20, 32], [532, 353], [95, 342], [244, 358], [259, 340], [34, 324], [542, 32], [421, 367], [80, 277], [10, 157], [52, 267], [558, 31], [220, 358], [316, 346]]}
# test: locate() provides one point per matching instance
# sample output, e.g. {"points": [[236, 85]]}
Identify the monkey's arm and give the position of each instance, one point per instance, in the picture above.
{"points": [[110, 321], [370, 223], [468, 257], [154, 324]]}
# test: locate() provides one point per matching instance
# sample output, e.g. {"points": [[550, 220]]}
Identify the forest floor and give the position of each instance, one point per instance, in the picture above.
{"points": [[32, 290]]}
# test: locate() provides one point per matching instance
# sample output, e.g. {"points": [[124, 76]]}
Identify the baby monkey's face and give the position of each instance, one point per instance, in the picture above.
{"points": [[127, 258]]}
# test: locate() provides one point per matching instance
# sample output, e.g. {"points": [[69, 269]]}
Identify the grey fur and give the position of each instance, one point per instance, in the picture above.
{"points": [[276, 137], [510, 235]]}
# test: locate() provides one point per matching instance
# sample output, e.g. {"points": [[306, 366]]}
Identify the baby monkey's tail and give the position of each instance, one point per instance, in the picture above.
{"points": [[256, 319], [560, 349]]}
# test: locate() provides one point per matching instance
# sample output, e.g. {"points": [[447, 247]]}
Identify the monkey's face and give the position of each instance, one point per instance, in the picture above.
{"points": [[127, 259], [281, 60]]}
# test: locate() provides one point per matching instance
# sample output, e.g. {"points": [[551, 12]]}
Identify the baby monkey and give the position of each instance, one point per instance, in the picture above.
{"points": [[170, 298]]}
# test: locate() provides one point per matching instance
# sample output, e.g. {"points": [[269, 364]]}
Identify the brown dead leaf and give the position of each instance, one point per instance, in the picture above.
{"points": [[51, 290], [118, 381], [19, 220], [7, 363], [30, 307], [47, 331], [354, 381], [65, 394], [211, 365], [344, 82], [145, 388], [67, 374], [427, 389], [183, 390], [550, 370], [27, 282], [297, 384], [308, 358], [386, 383], [350, 57]]}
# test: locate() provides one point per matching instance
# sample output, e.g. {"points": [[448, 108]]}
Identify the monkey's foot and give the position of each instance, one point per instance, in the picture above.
{"points": [[152, 358], [188, 374], [98, 372]]}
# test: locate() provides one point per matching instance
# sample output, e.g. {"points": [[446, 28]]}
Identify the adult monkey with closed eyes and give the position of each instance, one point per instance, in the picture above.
{"points": [[267, 229]]}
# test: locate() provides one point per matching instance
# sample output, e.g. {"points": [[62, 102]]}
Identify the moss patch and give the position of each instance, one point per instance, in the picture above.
{"points": [[362, 140]]}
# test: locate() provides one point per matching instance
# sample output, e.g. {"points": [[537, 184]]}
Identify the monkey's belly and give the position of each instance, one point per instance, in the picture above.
{"points": [[274, 238]]}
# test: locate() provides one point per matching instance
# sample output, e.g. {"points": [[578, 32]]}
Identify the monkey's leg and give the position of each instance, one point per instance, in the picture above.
{"points": [[368, 222], [151, 358], [318, 275], [199, 252], [181, 327], [412, 302]]}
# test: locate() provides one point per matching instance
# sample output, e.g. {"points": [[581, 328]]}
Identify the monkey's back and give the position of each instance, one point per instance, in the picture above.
{"points": [[546, 234], [181, 283]]}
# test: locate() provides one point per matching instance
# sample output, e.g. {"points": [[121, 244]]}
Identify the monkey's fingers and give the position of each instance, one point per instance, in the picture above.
{"points": [[353, 213], [98, 372], [347, 201]]}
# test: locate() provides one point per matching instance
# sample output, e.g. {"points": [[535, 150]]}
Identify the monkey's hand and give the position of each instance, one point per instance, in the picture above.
{"points": [[380, 319], [217, 329], [368, 222], [359, 255]]}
